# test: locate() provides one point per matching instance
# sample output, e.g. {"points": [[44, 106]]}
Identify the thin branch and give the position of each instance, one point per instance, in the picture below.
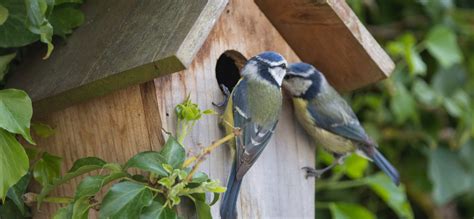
{"points": [[200, 158]]}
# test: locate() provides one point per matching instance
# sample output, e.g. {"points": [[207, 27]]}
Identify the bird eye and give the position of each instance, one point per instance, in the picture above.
{"points": [[287, 77]]}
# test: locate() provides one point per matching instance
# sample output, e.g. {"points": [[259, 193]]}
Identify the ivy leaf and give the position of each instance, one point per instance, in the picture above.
{"points": [[9, 210], [14, 33], [441, 42], [16, 192], [47, 169], [449, 80], [4, 63], [125, 200], [60, 2], [402, 104], [87, 163], [64, 213], [349, 211], [203, 210], [80, 208], [65, 19], [173, 153], [3, 14], [16, 112], [149, 161], [404, 46], [355, 166], [42, 129], [157, 211], [394, 196], [425, 94], [445, 170], [91, 185], [199, 177], [37, 23], [13, 162]]}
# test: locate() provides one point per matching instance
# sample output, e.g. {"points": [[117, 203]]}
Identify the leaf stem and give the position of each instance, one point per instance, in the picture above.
{"points": [[155, 189], [207, 150]]}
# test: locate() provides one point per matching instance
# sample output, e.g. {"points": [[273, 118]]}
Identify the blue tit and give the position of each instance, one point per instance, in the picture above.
{"points": [[253, 106], [329, 120]]}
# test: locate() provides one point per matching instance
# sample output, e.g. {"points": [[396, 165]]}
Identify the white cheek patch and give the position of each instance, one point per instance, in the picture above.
{"points": [[250, 68], [278, 74], [298, 86]]}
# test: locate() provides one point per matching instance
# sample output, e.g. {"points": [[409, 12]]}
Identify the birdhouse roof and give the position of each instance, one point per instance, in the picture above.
{"points": [[129, 42]]}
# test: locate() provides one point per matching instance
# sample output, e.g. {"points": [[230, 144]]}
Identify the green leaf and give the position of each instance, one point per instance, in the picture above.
{"points": [[203, 210], [60, 2], [14, 33], [86, 163], [394, 196], [448, 81], [149, 161], [38, 24], [199, 177], [157, 211], [441, 42], [80, 209], [355, 166], [405, 46], [65, 19], [215, 199], [13, 162], [3, 14], [47, 169], [125, 200], [42, 130], [15, 112], [16, 192], [4, 63], [9, 210], [64, 213], [446, 172], [91, 185], [349, 211], [173, 153], [426, 94], [403, 104]]}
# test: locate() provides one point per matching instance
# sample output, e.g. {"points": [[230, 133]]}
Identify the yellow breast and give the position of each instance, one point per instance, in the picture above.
{"points": [[328, 140]]}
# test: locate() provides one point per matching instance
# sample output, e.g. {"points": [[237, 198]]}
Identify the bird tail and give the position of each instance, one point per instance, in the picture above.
{"points": [[228, 207], [385, 166]]}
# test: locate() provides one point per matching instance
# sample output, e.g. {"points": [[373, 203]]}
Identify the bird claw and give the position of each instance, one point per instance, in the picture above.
{"points": [[311, 172], [226, 97]]}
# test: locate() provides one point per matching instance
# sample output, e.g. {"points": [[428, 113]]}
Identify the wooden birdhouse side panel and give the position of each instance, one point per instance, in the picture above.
{"points": [[113, 127], [275, 187]]}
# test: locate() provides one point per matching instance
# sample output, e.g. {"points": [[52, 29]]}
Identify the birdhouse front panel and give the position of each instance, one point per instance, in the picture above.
{"points": [[275, 187]]}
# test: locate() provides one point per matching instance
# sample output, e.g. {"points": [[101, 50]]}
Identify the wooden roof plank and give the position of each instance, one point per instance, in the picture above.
{"points": [[121, 43], [327, 34]]}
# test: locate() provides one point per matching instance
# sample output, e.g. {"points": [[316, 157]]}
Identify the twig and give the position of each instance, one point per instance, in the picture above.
{"points": [[200, 158], [30, 198]]}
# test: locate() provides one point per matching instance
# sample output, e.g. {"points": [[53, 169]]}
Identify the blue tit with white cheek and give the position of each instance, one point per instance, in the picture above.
{"points": [[253, 106], [329, 120]]}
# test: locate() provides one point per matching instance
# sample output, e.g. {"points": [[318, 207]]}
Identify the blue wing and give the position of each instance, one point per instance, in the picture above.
{"points": [[254, 137], [332, 113]]}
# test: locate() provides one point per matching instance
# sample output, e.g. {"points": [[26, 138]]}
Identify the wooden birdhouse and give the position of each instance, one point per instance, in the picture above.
{"points": [[111, 88]]}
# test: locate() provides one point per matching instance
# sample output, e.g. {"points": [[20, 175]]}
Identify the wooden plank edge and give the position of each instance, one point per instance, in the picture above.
{"points": [[363, 36], [106, 85], [202, 27]]}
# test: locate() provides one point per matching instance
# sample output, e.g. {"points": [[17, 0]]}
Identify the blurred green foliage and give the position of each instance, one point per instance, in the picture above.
{"points": [[422, 116]]}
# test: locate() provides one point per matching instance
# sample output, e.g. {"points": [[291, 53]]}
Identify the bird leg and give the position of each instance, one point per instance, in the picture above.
{"points": [[312, 172], [226, 97]]}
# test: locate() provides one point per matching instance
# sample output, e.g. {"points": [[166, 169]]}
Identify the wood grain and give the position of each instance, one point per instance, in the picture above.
{"points": [[275, 187], [121, 43], [327, 34], [113, 127]]}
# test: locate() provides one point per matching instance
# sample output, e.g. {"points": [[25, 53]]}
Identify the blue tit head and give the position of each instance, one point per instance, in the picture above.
{"points": [[268, 67], [303, 80]]}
